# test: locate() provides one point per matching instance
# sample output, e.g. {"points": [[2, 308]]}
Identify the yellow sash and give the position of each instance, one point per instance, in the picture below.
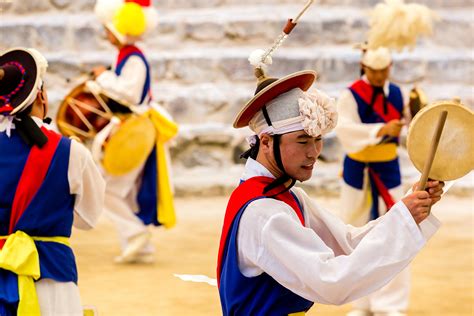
{"points": [[377, 153], [20, 256], [165, 130], [297, 314]]}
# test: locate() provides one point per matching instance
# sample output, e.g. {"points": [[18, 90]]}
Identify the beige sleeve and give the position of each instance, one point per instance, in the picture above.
{"points": [[87, 184], [352, 133]]}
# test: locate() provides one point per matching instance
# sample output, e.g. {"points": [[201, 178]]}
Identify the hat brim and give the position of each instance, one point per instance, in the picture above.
{"points": [[301, 79], [26, 59]]}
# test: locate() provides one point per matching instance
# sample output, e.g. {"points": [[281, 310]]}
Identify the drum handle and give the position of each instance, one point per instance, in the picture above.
{"points": [[433, 148]]}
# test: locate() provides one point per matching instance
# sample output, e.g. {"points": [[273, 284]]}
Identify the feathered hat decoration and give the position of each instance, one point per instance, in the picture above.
{"points": [[261, 59], [127, 19], [396, 25]]}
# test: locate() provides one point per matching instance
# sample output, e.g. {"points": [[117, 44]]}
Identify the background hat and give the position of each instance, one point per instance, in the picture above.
{"points": [[377, 59], [271, 88], [127, 18], [396, 25], [20, 78]]}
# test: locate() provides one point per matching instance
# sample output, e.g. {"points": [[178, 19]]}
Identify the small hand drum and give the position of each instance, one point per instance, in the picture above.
{"points": [[455, 153], [130, 146]]}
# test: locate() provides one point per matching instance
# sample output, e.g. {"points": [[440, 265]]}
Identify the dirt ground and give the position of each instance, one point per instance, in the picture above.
{"points": [[443, 282]]}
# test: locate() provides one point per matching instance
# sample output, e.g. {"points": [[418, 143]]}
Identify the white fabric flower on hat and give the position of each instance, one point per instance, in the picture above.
{"points": [[318, 112]]}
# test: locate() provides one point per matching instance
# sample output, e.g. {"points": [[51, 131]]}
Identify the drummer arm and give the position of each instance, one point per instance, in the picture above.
{"points": [[129, 84], [88, 186], [353, 134]]}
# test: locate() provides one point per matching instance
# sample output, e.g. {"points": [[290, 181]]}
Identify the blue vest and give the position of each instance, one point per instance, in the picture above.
{"points": [[49, 214], [389, 172], [128, 52], [260, 295]]}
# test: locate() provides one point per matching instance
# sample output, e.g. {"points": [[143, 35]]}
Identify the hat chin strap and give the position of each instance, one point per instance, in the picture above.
{"points": [[284, 177]]}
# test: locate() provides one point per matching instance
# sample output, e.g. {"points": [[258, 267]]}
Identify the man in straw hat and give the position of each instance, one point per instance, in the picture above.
{"points": [[49, 183], [371, 114], [280, 252], [132, 199]]}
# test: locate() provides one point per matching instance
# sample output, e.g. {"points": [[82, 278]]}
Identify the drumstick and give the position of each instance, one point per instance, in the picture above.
{"points": [[434, 147]]}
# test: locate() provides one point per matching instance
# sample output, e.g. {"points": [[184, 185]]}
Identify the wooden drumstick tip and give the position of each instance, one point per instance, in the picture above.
{"points": [[434, 146]]}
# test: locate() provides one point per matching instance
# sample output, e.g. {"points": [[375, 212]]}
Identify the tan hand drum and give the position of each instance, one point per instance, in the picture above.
{"points": [[130, 146], [455, 153]]}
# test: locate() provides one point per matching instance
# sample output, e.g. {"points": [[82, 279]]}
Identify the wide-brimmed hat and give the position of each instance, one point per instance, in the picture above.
{"points": [[271, 88], [20, 78]]}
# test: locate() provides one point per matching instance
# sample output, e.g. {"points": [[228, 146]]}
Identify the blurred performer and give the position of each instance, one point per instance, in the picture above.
{"points": [[142, 196], [371, 113], [48, 184], [280, 252]]}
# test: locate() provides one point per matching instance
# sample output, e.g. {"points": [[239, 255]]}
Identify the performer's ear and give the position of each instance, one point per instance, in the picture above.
{"points": [[266, 142], [44, 101]]}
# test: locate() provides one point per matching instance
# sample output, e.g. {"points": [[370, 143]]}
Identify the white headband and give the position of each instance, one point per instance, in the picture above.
{"points": [[296, 110]]}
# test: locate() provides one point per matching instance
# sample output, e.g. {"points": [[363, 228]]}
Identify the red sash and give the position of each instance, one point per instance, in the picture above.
{"points": [[34, 172], [365, 92], [245, 192], [383, 191]]}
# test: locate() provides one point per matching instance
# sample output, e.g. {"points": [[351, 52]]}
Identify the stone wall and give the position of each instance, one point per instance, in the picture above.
{"points": [[199, 57]]}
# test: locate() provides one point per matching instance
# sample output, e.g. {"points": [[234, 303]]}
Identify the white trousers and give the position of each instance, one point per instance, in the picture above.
{"points": [[355, 210], [58, 298], [121, 206]]}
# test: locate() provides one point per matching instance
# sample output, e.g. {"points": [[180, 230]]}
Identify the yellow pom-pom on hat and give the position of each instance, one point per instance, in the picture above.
{"points": [[130, 19]]}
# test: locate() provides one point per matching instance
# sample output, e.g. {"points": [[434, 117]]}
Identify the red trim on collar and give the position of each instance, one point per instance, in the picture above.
{"points": [[365, 91], [245, 192]]}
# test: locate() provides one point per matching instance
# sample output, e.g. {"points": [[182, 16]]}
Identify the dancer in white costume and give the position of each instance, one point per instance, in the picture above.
{"points": [[132, 199], [372, 115]]}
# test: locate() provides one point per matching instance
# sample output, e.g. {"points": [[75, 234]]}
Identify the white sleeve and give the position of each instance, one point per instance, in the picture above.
{"points": [[87, 184], [352, 133], [129, 85], [271, 239]]}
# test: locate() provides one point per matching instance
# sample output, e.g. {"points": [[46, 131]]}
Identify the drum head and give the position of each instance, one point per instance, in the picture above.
{"points": [[454, 156], [130, 146], [81, 114]]}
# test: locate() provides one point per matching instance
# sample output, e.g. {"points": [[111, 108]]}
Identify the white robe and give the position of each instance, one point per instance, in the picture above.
{"points": [[129, 85], [121, 193], [326, 261], [354, 203]]}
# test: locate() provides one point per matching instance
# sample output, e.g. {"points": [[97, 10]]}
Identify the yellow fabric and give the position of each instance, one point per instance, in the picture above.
{"points": [[165, 130], [20, 256], [130, 146], [377, 153], [297, 314], [130, 19]]}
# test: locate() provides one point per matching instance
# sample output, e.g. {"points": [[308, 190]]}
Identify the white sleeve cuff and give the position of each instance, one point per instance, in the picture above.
{"points": [[410, 223], [429, 226], [375, 128]]}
